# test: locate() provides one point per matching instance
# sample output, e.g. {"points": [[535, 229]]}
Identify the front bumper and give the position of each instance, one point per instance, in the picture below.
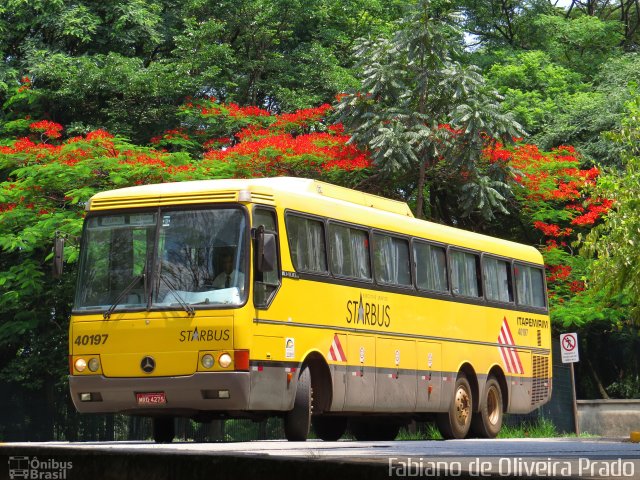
{"points": [[184, 395]]}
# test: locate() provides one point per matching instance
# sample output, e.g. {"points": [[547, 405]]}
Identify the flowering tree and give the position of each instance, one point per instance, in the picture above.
{"points": [[559, 204], [255, 143], [557, 207]]}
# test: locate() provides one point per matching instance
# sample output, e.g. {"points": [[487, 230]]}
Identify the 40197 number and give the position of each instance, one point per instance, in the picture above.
{"points": [[97, 339]]}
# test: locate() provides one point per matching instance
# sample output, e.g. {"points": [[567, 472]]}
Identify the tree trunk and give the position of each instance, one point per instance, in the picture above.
{"points": [[596, 379], [420, 198]]}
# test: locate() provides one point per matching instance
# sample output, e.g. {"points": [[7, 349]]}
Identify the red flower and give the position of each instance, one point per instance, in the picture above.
{"points": [[595, 210], [98, 134], [559, 272], [7, 207], [49, 128], [552, 230], [577, 286]]}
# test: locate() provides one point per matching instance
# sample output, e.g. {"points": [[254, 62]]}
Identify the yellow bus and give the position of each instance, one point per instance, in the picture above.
{"points": [[290, 297]]}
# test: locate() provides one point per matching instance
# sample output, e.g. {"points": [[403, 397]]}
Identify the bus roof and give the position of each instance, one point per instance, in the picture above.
{"points": [[309, 196]]}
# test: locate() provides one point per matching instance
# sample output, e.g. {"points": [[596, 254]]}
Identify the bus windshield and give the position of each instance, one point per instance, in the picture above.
{"points": [[163, 259]]}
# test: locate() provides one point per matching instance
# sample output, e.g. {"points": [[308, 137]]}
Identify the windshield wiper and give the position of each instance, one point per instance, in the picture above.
{"points": [[120, 297], [187, 308]]}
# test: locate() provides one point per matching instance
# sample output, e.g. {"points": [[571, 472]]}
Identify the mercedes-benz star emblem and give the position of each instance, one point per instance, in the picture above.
{"points": [[148, 364]]}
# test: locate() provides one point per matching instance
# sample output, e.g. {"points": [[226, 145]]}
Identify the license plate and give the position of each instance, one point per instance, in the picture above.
{"points": [[155, 398]]}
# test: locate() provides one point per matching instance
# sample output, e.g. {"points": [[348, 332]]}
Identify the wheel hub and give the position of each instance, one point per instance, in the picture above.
{"points": [[463, 406], [493, 406]]}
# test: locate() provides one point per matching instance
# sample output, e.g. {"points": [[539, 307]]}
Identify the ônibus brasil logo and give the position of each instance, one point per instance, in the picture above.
{"points": [[34, 468]]}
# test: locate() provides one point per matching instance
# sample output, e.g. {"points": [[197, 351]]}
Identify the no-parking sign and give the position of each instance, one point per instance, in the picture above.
{"points": [[569, 347]]}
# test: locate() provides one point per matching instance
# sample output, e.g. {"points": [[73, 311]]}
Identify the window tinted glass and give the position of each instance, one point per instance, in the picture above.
{"points": [[497, 280], [306, 241], [391, 260], [349, 252], [431, 267], [202, 257], [530, 286], [117, 249], [464, 274], [266, 283]]}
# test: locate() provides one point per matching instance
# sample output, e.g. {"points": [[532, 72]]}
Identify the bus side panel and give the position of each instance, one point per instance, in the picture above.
{"points": [[361, 376], [395, 375], [269, 379], [520, 386], [339, 387], [429, 361]]}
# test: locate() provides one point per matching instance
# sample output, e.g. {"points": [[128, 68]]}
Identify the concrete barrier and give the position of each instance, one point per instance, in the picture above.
{"points": [[609, 418]]}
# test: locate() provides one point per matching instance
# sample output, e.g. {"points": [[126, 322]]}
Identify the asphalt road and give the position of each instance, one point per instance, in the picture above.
{"points": [[520, 458]]}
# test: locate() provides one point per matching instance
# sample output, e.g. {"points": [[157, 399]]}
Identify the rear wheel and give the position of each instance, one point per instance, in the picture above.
{"points": [[456, 422], [163, 429], [329, 429], [297, 421], [486, 423], [374, 429]]}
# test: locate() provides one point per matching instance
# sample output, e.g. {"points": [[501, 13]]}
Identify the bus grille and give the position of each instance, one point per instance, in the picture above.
{"points": [[540, 390]]}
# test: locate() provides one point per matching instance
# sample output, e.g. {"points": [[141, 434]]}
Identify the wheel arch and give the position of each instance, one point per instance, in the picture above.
{"points": [[467, 369], [320, 381], [498, 373]]}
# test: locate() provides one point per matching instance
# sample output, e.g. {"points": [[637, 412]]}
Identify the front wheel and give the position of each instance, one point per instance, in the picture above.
{"points": [[297, 421], [487, 422], [163, 429], [456, 422]]}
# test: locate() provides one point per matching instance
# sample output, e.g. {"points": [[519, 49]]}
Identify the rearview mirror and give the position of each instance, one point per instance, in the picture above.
{"points": [[266, 251]]}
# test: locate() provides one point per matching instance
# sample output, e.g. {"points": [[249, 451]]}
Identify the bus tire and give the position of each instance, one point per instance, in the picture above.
{"points": [[455, 423], [487, 422], [329, 429], [163, 429], [297, 421], [373, 429]]}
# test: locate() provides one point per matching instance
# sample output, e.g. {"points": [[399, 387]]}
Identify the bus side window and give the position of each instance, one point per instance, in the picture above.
{"points": [[307, 245], [266, 284], [349, 252], [464, 274], [497, 280], [530, 286], [431, 267], [391, 260]]}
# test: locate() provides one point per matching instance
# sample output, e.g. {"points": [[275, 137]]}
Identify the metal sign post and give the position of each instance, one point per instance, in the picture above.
{"points": [[569, 353]]}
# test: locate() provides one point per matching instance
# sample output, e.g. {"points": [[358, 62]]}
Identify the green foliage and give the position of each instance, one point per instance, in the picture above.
{"points": [[534, 88], [615, 243], [499, 23], [127, 65], [580, 43], [542, 428], [423, 431], [584, 118]]}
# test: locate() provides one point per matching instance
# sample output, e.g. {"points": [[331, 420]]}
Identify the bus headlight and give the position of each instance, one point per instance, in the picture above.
{"points": [[80, 364], [94, 364], [224, 360], [207, 360]]}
